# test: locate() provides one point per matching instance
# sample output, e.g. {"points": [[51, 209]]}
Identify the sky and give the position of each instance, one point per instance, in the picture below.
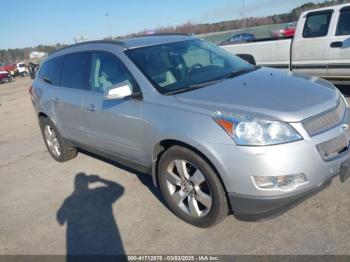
{"points": [[27, 23]]}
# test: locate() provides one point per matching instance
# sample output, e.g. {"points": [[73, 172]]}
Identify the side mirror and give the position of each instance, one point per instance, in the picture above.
{"points": [[248, 58], [118, 91]]}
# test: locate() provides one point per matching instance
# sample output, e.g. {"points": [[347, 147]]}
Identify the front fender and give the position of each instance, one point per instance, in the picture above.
{"points": [[197, 131]]}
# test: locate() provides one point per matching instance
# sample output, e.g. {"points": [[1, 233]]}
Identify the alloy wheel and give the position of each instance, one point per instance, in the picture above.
{"points": [[52, 141], [188, 188]]}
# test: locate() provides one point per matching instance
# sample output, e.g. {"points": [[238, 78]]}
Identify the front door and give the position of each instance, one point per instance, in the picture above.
{"points": [[311, 44], [114, 126]]}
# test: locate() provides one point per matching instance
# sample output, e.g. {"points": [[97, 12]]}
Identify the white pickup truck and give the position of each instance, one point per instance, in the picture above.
{"points": [[321, 46]]}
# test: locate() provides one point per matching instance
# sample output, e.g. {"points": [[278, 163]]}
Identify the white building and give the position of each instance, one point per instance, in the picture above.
{"points": [[35, 55]]}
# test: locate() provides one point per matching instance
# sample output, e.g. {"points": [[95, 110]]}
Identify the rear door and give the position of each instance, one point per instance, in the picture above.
{"points": [[311, 44], [114, 126], [339, 54], [67, 98]]}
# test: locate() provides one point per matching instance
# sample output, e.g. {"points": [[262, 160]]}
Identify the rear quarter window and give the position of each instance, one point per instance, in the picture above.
{"points": [[317, 24], [50, 71]]}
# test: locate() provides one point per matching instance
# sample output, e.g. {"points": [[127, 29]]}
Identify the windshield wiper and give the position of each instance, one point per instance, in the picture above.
{"points": [[211, 82], [193, 87], [241, 72]]}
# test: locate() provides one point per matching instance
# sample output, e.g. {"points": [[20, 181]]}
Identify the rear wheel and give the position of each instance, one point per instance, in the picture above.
{"points": [[5, 80], [55, 143], [191, 187]]}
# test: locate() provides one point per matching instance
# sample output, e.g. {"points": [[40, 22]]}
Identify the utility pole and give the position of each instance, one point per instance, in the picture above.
{"points": [[109, 24], [243, 13]]}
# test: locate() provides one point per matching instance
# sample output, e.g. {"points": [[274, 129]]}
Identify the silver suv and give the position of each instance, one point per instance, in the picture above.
{"points": [[217, 134]]}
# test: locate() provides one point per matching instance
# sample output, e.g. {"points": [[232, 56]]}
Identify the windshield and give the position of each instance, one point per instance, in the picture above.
{"points": [[183, 66]]}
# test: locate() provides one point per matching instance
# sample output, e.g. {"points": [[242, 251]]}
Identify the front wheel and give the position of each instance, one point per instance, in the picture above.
{"points": [[191, 187]]}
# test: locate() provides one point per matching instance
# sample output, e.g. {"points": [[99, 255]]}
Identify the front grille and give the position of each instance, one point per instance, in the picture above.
{"points": [[332, 148], [325, 121]]}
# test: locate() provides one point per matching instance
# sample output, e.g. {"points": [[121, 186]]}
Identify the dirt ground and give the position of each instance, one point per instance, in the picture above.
{"points": [[47, 208]]}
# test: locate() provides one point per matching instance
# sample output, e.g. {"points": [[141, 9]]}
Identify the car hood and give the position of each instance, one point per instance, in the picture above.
{"points": [[268, 93]]}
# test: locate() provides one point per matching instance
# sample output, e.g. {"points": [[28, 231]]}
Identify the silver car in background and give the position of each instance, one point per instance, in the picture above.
{"points": [[217, 134]]}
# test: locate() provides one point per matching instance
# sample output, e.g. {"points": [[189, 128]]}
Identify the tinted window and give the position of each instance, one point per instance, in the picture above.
{"points": [[344, 23], [107, 70], [317, 25], [50, 71], [74, 69]]}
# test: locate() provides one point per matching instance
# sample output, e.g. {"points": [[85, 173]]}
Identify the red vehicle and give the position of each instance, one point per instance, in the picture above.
{"points": [[4, 77], [10, 68], [289, 31]]}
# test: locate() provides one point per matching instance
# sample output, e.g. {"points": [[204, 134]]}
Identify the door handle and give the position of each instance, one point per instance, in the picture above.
{"points": [[91, 107], [336, 44], [56, 100]]}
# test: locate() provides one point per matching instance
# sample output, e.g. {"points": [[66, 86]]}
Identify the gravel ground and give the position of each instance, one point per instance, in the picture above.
{"points": [[44, 209]]}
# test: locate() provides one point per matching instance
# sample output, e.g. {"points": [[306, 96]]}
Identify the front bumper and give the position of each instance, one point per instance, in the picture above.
{"points": [[237, 165], [248, 208]]}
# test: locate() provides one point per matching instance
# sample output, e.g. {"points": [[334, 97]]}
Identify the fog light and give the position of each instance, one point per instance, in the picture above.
{"points": [[284, 183]]}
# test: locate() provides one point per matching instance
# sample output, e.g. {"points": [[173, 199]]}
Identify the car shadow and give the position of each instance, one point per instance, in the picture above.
{"points": [[145, 179], [91, 226]]}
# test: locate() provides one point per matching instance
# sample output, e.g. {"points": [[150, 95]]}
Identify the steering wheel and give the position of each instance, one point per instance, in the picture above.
{"points": [[195, 66]]}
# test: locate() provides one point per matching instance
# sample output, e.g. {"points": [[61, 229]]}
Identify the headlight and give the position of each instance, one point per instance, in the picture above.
{"points": [[248, 131]]}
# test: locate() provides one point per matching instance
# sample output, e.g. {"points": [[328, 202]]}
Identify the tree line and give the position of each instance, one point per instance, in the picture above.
{"points": [[293, 16], [20, 54]]}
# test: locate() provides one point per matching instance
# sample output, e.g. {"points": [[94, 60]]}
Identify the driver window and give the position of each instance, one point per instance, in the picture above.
{"points": [[344, 23], [106, 70]]}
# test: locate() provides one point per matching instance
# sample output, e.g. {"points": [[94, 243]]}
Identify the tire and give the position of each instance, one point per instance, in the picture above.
{"points": [[58, 148], [5, 80], [188, 198]]}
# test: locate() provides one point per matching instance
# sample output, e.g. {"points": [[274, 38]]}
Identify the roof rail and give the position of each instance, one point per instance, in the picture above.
{"points": [[90, 42]]}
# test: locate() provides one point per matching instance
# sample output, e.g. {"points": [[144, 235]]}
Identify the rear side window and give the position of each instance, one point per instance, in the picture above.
{"points": [[317, 24], [50, 71], [344, 23], [74, 69]]}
